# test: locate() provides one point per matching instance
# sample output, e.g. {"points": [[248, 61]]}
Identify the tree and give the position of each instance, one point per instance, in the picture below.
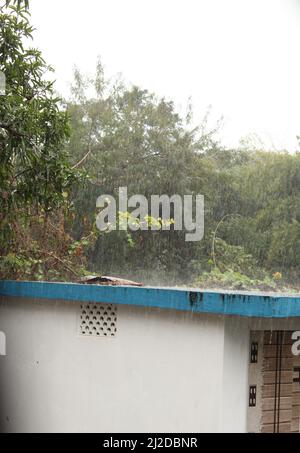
{"points": [[34, 170], [35, 174], [17, 3], [124, 135]]}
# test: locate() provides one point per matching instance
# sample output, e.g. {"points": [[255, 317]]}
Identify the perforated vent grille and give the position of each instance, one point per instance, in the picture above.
{"points": [[98, 320]]}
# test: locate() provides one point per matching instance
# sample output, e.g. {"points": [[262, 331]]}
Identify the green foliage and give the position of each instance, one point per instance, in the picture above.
{"points": [[233, 268], [235, 258], [231, 279], [44, 250], [55, 161], [18, 4], [34, 170], [126, 136], [284, 252], [35, 174]]}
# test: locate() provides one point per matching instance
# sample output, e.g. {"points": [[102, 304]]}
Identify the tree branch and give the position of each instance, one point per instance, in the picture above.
{"points": [[83, 159], [89, 149]]}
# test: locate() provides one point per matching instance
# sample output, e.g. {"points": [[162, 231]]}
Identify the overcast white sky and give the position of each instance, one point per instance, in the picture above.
{"points": [[240, 56]]}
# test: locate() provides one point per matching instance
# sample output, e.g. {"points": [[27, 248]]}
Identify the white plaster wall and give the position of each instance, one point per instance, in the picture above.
{"points": [[256, 378], [235, 375], [162, 373]]}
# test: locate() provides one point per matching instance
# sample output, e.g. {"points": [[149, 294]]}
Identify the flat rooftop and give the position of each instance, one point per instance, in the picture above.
{"points": [[246, 304]]}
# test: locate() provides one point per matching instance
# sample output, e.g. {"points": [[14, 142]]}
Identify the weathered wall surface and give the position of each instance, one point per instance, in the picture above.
{"points": [[162, 372], [235, 375]]}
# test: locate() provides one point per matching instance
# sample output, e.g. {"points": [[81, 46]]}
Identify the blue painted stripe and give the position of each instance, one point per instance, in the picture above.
{"points": [[249, 305]]}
